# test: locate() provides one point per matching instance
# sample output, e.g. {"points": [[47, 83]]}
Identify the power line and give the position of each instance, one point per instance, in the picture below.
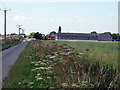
{"points": [[10, 15], [5, 11], [5, 6]]}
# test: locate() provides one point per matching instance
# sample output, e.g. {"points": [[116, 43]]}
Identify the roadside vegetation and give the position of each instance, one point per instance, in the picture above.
{"points": [[58, 64], [8, 43]]}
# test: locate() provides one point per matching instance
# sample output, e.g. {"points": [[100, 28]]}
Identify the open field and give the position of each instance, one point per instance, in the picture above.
{"points": [[104, 51], [8, 43], [62, 64]]}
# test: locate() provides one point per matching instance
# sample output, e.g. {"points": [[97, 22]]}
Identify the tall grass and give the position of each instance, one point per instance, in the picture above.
{"points": [[105, 52]]}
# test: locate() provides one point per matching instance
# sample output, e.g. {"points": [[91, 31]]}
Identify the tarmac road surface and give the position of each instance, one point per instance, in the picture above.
{"points": [[7, 59]]}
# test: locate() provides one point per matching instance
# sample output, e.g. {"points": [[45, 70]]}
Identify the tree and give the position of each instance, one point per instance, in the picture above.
{"points": [[114, 36], [13, 34], [47, 36], [52, 33], [59, 30], [32, 34], [38, 36], [43, 36], [118, 36], [94, 32], [107, 33]]}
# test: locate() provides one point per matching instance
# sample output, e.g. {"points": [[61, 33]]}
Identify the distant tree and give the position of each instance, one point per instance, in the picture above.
{"points": [[22, 34], [108, 33], [47, 36], [52, 33], [114, 36], [59, 29], [94, 32], [32, 35], [37, 36], [13, 34], [118, 36], [43, 36]]}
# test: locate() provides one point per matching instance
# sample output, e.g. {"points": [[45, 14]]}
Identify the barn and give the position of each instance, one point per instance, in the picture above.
{"points": [[83, 36]]}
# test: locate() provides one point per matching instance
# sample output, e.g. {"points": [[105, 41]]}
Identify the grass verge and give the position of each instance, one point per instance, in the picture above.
{"points": [[8, 43]]}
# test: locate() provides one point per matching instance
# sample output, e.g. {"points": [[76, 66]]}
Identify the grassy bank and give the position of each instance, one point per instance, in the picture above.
{"points": [[4, 44], [50, 64]]}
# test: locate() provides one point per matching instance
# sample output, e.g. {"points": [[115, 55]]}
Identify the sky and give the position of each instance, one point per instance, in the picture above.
{"points": [[75, 16]]}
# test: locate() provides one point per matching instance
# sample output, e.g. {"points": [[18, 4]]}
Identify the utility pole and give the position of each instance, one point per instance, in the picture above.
{"points": [[23, 31], [19, 27], [5, 21]]}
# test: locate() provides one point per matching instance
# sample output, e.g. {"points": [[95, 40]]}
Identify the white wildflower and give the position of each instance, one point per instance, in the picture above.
{"points": [[43, 63], [68, 53], [75, 85], [52, 57], [33, 69], [19, 83], [36, 64], [81, 53], [39, 62], [40, 78], [64, 85], [48, 77], [33, 62], [31, 82], [42, 68], [38, 74], [49, 67]]}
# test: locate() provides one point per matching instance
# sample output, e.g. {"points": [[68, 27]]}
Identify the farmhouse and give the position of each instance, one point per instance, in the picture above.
{"points": [[83, 36]]}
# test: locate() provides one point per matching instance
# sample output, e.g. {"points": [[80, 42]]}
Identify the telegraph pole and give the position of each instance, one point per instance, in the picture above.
{"points": [[5, 22], [23, 31], [19, 27]]}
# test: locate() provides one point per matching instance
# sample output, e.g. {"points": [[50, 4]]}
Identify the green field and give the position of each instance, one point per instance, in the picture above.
{"points": [[105, 52], [65, 64], [4, 44]]}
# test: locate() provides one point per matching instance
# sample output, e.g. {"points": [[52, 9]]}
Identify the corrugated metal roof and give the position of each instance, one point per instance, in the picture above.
{"points": [[84, 36]]}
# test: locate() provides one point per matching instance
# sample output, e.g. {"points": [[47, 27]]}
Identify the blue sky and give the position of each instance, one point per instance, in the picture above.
{"points": [[76, 17]]}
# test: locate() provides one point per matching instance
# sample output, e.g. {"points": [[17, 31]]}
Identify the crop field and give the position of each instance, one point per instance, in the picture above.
{"points": [[4, 44], [66, 64]]}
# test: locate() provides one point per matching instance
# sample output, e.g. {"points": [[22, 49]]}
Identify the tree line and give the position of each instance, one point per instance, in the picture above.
{"points": [[115, 36], [40, 36]]}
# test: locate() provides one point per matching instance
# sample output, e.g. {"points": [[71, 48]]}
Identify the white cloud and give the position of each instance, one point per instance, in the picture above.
{"points": [[21, 18]]}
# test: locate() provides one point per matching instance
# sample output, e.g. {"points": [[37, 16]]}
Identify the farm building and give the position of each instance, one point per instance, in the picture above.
{"points": [[83, 36], [52, 37]]}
